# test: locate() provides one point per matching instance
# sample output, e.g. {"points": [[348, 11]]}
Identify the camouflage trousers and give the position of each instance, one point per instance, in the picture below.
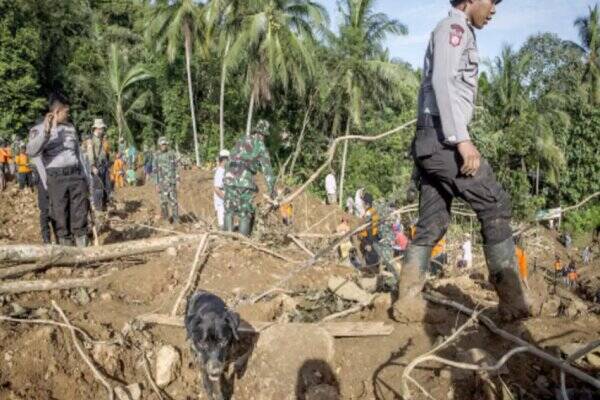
{"points": [[238, 201], [168, 199], [386, 255]]}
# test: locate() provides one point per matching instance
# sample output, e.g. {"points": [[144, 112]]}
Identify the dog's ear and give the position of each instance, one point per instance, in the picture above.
{"points": [[233, 319]]}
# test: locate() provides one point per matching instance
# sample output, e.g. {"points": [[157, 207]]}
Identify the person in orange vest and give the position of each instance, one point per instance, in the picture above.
{"points": [[370, 234], [118, 172], [23, 168], [286, 210], [522, 263], [572, 274], [4, 157], [557, 269]]}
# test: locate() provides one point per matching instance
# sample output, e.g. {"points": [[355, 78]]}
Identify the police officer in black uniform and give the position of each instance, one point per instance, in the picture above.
{"points": [[450, 166], [56, 144]]}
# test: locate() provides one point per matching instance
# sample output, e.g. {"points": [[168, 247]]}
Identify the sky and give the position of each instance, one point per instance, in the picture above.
{"points": [[514, 22]]}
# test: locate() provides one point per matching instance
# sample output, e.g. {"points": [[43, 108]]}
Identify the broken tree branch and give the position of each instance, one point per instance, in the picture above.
{"points": [[82, 353], [331, 155], [44, 285], [581, 203], [561, 364], [193, 272], [575, 356], [75, 255], [301, 245], [254, 245]]}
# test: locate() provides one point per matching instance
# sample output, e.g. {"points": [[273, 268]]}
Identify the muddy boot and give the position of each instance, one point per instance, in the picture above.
{"points": [[410, 306], [176, 219], [228, 222], [81, 241], [46, 238], [246, 225], [504, 275], [66, 241]]}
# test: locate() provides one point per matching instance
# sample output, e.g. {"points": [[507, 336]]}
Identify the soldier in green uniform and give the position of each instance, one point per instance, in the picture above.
{"points": [[248, 157], [384, 246], [166, 177]]}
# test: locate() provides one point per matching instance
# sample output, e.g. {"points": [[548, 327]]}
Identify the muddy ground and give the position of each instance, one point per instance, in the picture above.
{"points": [[40, 361]]}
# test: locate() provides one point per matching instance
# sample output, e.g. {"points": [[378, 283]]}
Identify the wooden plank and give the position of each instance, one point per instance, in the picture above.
{"points": [[336, 329]]}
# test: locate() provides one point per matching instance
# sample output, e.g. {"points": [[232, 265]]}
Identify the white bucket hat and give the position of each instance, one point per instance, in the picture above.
{"points": [[99, 123], [224, 153]]}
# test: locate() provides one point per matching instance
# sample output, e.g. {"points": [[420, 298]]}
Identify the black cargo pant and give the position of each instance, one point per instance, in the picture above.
{"points": [[46, 221], [441, 181], [69, 201]]}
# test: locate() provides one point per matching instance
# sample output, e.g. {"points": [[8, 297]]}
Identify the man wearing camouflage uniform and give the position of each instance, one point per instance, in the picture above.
{"points": [[248, 157], [384, 246], [97, 156], [166, 177]]}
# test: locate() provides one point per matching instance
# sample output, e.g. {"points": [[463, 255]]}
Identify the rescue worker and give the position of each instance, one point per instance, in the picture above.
{"points": [[97, 155], [248, 156], [23, 168], [369, 235], [166, 176], [55, 145], [4, 158], [219, 188], [384, 245], [118, 172], [449, 165], [286, 210]]}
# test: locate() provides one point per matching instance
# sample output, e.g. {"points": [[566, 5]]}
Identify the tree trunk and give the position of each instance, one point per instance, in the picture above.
{"points": [[301, 138], [250, 112], [537, 179], [188, 56], [344, 157], [60, 255], [119, 118], [222, 100]]}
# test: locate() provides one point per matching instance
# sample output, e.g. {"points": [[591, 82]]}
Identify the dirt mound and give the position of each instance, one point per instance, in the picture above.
{"points": [[40, 361]]}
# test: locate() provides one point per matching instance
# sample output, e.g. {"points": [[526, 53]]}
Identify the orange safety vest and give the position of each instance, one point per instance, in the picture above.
{"points": [[4, 155], [374, 224], [22, 162], [522, 262], [286, 210], [573, 276], [557, 266], [438, 248]]}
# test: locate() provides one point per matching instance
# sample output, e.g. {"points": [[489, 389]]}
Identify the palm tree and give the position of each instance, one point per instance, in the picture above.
{"points": [[172, 22], [272, 40], [224, 16], [118, 81], [361, 70], [589, 34]]}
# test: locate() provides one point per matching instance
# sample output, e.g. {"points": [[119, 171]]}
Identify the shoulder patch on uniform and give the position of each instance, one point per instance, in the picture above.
{"points": [[456, 34]]}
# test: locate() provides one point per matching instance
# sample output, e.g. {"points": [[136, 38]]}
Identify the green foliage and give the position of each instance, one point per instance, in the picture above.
{"points": [[585, 220]]}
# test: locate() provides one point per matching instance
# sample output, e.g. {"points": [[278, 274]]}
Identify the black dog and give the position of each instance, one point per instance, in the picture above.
{"points": [[212, 329]]}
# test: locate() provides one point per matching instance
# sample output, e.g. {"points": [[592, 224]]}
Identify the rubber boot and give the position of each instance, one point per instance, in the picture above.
{"points": [[176, 219], [81, 241], [46, 238], [164, 212], [66, 241], [228, 222], [410, 306], [246, 225], [504, 275]]}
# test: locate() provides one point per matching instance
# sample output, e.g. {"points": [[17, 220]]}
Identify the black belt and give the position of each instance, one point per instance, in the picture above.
{"points": [[429, 121], [74, 170]]}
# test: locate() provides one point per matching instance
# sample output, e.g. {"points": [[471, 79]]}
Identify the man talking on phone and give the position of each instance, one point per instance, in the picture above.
{"points": [[55, 145]]}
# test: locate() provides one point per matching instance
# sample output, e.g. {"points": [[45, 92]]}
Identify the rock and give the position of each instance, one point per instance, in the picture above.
{"points": [[106, 296], [81, 296], [568, 349], [368, 284], [575, 308], [171, 252], [593, 359], [17, 310], [135, 391], [446, 374], [348, 290], [167, 365], [322, 392], [287, 361], [40, 313], [106, 355], [551, 307], [122, 393]]}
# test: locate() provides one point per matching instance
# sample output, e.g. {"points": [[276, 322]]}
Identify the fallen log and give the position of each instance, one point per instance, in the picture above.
{"points": [[62, 255], [45, 285], [336, 329]]}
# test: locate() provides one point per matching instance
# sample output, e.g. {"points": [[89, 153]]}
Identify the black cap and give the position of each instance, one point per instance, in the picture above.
{"points": [[368, 198], [457, 2], [58, 97]]}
